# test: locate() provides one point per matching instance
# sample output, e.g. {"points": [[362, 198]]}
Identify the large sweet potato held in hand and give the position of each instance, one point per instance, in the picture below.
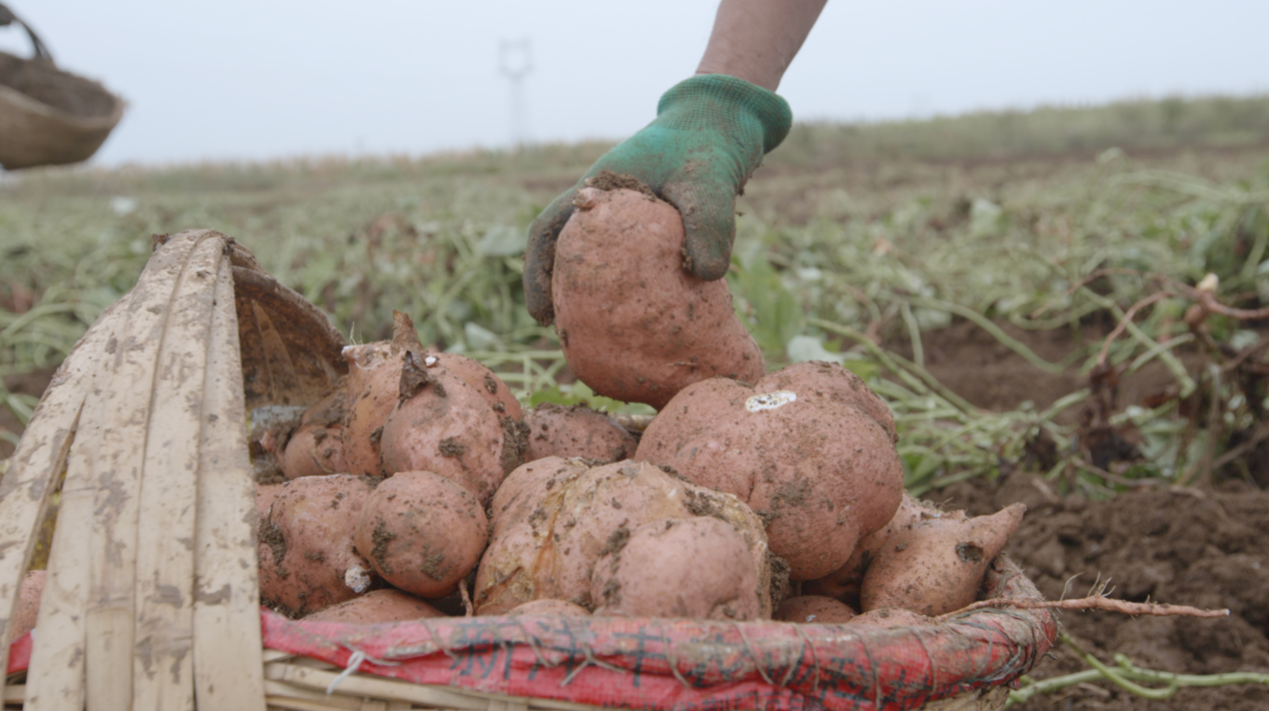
{"points": [[634, 325]]}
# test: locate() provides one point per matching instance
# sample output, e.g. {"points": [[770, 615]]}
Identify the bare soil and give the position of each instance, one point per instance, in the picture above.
{"points": [[1207, 548], [1181, 546]]}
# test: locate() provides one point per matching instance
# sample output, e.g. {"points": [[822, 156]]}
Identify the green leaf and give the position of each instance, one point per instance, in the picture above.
{"points": [[502, 241]]}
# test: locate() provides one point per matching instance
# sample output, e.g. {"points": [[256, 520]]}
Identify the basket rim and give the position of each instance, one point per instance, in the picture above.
{"points": [[13, 99]]}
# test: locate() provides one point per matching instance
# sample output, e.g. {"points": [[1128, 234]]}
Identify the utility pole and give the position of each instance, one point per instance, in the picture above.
{"points": [[515, 60]]}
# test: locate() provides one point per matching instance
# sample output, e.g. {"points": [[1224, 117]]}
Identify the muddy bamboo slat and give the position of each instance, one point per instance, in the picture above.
{"points": [[56, 677], [38, 462], [163, 665], [359, 685], [282, 674], [126, 381], [227, 656], [286, 696]]}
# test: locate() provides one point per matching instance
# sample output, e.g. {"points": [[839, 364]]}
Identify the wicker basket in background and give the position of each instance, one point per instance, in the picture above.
{"points": [[49, 116], [152, 600]]}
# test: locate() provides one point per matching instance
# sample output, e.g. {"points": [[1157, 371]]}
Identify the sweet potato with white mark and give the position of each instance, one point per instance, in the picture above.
{"points": [[809, 448], [936, 565], [422, 533], [633, 323]]}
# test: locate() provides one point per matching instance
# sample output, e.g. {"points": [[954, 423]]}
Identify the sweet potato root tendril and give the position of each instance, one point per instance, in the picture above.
{"points": [[1095, 602]]}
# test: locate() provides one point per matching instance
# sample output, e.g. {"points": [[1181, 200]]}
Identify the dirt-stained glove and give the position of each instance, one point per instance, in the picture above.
{"points": [[710, 133]]}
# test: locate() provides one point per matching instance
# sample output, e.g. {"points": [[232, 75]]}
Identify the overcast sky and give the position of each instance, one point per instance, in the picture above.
{"points": [[233, 79]]}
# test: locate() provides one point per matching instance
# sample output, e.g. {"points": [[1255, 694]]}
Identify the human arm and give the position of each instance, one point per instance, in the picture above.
{"points": [[756, 40]]}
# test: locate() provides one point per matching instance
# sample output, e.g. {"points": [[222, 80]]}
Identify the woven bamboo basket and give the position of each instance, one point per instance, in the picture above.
{"points": [[49, 116], [151, 599]]}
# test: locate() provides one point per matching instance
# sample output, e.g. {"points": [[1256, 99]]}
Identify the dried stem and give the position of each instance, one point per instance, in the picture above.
{"points": [[1095, 602], [1123, 323]]}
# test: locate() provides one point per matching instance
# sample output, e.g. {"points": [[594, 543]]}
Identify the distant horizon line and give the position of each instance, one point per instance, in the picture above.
{"points": [[317, 160]]}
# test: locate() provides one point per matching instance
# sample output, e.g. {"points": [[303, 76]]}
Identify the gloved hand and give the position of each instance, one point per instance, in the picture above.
{"points": [[710, 133]]}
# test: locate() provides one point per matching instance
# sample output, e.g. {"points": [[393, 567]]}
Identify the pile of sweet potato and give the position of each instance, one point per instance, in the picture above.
{"points": [[420, 487]]}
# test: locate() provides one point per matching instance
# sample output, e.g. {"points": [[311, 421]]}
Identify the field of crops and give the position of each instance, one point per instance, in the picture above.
{"points": [[1073, 296]]}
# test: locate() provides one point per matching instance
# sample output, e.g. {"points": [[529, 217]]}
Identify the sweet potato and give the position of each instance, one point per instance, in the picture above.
{"points": [[316, 448], [815, 610], [483, 380], [553, 519], [422, 533], [697, 568], [634, 325], [577, 431], [373, 389], [409, 412], [936, 564], [445, 426], [809, 448], [549, 608], [265, 495], [28, 609], [890, 617], [307, 560], [377, 606], [844, 583]]}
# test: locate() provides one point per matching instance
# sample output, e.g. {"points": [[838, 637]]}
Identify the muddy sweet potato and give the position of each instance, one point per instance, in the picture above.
{"points": [[936, 564], [377, 606], [633, 323], [549, 608], [554, 518], [443, 425], [890, 617], [373, 390], [814, 610], [408, 411], [696, 568], [809, 448], [577, 431], [307, 559], [422, 533], [316, 448], [844, 583], [483, 380]]}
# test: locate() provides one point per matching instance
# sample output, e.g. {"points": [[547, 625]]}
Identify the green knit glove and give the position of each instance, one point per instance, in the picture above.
{"points": [[710, 133]]}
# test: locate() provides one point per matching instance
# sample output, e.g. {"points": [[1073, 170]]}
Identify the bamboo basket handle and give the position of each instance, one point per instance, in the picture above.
{"points": [[40, 49]]}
